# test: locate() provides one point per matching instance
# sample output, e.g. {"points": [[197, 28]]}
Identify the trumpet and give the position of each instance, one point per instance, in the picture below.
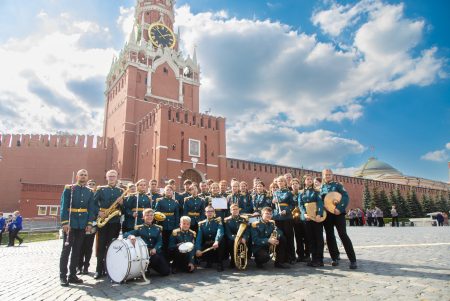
{"points": [[296, 214], [272, 248], [111, 212]]}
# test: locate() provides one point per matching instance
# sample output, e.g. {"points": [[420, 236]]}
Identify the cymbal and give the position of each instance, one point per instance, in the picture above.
{"points": [[311, 211], [331, 200]]}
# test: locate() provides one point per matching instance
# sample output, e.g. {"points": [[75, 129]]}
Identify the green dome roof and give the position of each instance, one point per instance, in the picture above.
{"points": [[373, 168]]}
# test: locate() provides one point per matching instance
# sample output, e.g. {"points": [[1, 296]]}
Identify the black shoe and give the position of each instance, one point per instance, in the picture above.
{"points": [[335, 262], [292, 262], [63, 281], [74, 279], [20, 242], [232, 265], [220, 268], [316, 264], [174, 269], [281, 266], [260, 266], [209, 264], [98, 275], [353, 265], [85, 271], [310, 264]]}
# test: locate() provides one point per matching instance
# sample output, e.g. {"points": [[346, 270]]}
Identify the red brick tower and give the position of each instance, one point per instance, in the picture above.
{"points": [[152, 83]]}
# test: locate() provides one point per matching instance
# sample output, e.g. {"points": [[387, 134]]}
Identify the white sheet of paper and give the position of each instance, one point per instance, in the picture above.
{"points": [[219, 203]]}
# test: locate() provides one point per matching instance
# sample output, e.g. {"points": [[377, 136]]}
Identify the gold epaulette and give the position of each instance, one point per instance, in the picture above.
{"points": [[68, 186], [202, 222], [228, 218], [193, 232], [245, 217], [254, 224], [101, 186], [175, 231], [159, 226], [272, 221], [158, 199], [138, 226], [219, 220]]}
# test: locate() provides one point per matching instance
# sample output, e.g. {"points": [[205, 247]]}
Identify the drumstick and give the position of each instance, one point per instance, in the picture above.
{"points": [[137, 207], [206, 250]]}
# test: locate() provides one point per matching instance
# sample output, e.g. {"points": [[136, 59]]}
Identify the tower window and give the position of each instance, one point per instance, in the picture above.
{"points": [[165, 70]]}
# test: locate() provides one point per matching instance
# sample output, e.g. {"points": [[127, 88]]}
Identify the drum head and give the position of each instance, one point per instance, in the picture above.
{"points": [[185, 247], [253, 219], [118, 260]]}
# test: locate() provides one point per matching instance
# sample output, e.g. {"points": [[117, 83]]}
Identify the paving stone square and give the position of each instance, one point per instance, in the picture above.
{"points": [[406, 263]]}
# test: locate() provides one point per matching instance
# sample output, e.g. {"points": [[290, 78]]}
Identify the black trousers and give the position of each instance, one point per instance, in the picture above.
{"points": [[352, 222], [86, 251], [76, 237], [338, 221], [369, 221], [315, 237], [380, 222], [180, 260], [106, 234], [395, 221], [301, 239], [216, 255], [165, 243], [1, 236], [262, 255], [159, 263], [287, 226], [13, 235]]}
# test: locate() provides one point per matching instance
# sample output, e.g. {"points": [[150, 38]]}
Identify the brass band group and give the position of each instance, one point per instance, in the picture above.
{"points": [[207, 223]]}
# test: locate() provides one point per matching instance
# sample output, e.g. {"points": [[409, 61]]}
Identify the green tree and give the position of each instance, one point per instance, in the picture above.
{"points": [[384, 204], [415, 209], [402, 207], [375, 197], [427, 204], [367, 198], [442, 203]]}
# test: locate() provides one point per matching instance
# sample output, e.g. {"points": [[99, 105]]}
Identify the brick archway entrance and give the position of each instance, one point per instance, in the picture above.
{"points": [[192, 175]]}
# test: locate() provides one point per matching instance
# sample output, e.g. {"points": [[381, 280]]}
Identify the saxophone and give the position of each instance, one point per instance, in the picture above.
{"points": [[111, 212], [240, 249], [273, 248]]}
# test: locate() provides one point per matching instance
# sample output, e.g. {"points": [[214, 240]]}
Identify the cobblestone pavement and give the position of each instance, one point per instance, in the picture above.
{"points": [[405, 263]]}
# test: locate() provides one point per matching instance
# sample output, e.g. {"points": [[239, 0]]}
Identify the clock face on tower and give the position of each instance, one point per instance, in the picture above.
{"points": [[161, 35]]}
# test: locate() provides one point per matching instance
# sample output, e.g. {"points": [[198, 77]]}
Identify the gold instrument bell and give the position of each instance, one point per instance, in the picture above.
{"points": [[159, 216], [331, 200], [296, 214], [311, 211]]}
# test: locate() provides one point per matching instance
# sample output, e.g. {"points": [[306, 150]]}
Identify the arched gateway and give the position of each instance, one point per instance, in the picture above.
{"points": [[192, 175]]}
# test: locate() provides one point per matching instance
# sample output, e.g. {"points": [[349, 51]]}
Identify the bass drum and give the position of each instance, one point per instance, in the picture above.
{"points": [[125, 261]]}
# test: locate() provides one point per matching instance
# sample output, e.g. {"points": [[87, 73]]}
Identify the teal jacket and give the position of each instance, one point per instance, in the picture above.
{"points": [[232, 225], [83, 207], [194, 207], [310, 195], [261, 232], [129, 207], [151, 234], [260, 201], [171, 209], [287, 202], [104, 197], [153, 197], [178, 236], [209, 230], [335, 186]]}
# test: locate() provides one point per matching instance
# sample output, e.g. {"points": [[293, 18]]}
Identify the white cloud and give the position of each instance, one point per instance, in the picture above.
{"points": [[40, 66], [441, 155], [126, 20], [266, 69]]}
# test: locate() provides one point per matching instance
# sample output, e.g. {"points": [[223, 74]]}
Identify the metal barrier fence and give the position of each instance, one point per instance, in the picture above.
{"points": [[41, 224]]}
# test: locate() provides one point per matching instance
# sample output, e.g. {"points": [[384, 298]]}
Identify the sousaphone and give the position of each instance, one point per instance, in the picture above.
{"points": [[311, 211], [332, 199]]}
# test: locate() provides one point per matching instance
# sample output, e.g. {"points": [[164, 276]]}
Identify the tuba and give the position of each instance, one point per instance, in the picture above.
{"points": [[240, 249], [111, 212]]}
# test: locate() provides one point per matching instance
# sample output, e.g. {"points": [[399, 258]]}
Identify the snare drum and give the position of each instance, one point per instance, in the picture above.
{"points": [[125, 261], [186, 247]]}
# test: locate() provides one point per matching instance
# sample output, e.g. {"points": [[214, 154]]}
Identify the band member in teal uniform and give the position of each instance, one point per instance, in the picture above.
{"points": [[194, 207], [210, 234], [235, 197], [183, 261], [284, 203], [314, 229], [232, 224], [215, 193], [180, 197], [154, 193], [204, 190], [337, 219], [260, 198], [104, 197], [133, 206], [151, 234], [170, 208], [301, 239], [246, 198], [223, 188], [264, 234], [77, 214]]}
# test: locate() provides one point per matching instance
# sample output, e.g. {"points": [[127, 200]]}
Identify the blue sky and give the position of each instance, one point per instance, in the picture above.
{"points": [[317, 83]]}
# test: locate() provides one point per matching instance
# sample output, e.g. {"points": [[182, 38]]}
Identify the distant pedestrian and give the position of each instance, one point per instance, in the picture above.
{"points": [[440, 219], [2, 226], [352, 217], [359, 217], [369, 217], [394, 215], [14, 227], [379, 214]]}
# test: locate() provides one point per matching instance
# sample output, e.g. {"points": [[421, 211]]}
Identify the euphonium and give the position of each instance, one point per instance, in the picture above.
{"points": [[111, 212], [272, 248], [240, 249]]}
